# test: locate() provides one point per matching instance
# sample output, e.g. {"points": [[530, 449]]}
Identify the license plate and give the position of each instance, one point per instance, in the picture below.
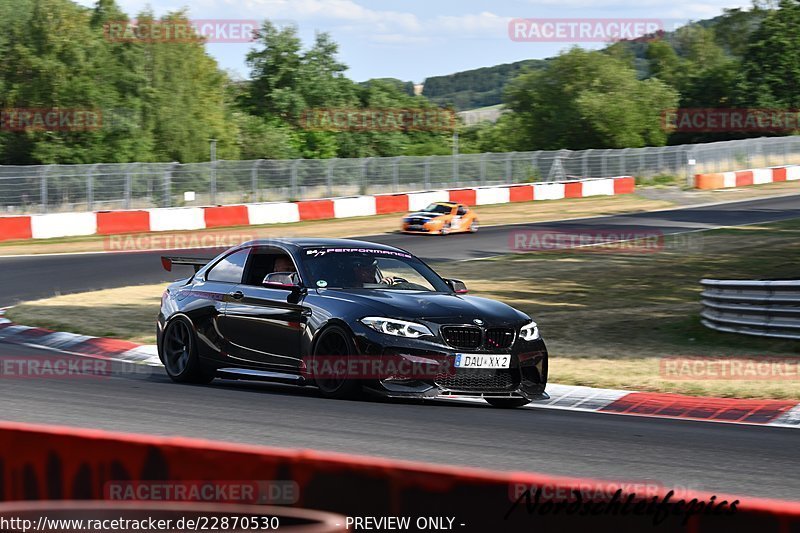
{"points": [[467, 360], [415, 228]]}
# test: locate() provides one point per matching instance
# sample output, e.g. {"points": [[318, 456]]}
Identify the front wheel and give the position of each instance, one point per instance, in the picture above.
{"points": [[507, 403], [179, 354], [473, 228], [336, 345]]}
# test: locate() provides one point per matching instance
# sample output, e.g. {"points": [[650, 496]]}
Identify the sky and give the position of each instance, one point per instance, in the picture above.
{"points": [[415, 39]]}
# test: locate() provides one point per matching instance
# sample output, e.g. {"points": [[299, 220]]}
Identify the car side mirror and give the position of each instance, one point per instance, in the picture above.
{"points": [[458, 286], [286, 281]]}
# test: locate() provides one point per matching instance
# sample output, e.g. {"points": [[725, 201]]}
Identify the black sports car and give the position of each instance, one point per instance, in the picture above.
{"points": [[347, 316]]}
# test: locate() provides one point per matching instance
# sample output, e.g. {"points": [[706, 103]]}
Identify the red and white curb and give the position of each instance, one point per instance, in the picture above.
{"points": [[122, 222], [82, 345], [745, 178], [783, 413]]}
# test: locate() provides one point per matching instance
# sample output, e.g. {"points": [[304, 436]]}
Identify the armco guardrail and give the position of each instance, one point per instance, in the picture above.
{"points": [[769, 308], [56, 463]]}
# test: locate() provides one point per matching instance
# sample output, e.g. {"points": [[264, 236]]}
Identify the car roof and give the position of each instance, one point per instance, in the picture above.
{"points": [[314, 242]]}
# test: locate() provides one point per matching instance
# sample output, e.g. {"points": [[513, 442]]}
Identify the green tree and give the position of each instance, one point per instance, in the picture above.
{"points": [[587, 100], [771, 68]]}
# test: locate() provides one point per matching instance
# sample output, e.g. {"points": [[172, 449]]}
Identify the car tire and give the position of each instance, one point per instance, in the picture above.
{"points": [[445, 230], [335, 342], [473, 228], [507, 403], [179, 354]]}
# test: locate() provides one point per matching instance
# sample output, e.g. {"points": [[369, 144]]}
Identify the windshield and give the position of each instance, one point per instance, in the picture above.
{"points": [[438, 208], [364, 268]]}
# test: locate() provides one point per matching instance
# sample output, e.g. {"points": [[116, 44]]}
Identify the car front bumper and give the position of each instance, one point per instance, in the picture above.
{"points": [[526, 376]]}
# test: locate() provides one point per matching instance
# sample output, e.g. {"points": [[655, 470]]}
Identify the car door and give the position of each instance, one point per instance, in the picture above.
{"points": [[265, 325], [204, 301], [457, 221]]}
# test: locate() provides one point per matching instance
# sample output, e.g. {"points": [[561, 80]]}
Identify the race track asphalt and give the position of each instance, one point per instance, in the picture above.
{"points": [[713, 457]]}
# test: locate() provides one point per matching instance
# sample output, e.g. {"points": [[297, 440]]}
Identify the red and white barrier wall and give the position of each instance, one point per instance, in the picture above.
{"points": [[743, 178], [59, 463], [196, 218]]}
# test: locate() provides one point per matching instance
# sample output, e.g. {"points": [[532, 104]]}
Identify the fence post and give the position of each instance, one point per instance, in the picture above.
{"points": [[168, 184], [90, 188], [585, 162], [364, 170], [509, 169], [213, 183], [294, 179], [128, 185], [428, 172], [43, 188], [395, 174], [483, 168], [254, 179], [329, 177], [691, 165]]}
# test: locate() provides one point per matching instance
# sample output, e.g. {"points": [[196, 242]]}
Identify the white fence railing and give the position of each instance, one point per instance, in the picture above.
{"points": [[39, 189]]}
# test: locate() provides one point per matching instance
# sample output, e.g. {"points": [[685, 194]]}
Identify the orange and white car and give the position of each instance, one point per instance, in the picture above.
{"points": [[441, 218]]}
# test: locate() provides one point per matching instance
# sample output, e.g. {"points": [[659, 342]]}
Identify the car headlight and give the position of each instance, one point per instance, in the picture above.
{"points": [[529, 332], [398, 328]]}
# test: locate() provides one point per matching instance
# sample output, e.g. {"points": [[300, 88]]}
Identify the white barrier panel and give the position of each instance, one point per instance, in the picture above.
{"points": [[762, 175], [177, 219], [598, 187], [359, 206], [277, 213], [548, 191], [493, 195], [729, 179], [793, 173], [420, 200], [63, 225]]}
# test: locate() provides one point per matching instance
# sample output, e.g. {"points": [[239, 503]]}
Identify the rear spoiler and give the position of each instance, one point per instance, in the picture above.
{"points": [[197, 262]]}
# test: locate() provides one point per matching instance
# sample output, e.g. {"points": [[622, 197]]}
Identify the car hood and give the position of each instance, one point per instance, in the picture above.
{"points": [[434, 307]]}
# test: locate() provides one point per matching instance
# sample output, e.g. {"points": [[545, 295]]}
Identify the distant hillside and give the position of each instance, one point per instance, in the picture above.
{"points": [[481, 87]]}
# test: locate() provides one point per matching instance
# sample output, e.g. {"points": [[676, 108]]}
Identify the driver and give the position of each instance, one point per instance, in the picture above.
{"points": [[283, 264], [366, 271]]}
